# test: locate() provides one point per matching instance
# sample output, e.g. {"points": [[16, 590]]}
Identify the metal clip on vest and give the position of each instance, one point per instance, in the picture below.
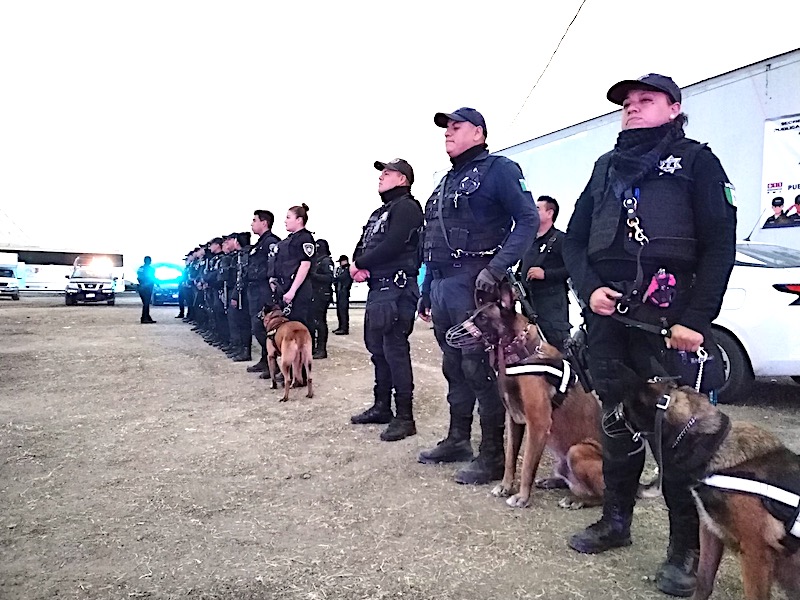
{"points": [[630, 203]]}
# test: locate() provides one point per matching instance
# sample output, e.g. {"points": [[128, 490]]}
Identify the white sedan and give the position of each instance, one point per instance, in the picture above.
{"points": [[758, 328]]}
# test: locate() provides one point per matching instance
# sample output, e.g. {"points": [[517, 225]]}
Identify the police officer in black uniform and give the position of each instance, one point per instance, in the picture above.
{"points": [[293, 257], [321, 275], [468, 244], [259, 292], [387, 257], [545, 276], [650, 247], [218, 334], [238, 309], [779, 218], [343, 281]]}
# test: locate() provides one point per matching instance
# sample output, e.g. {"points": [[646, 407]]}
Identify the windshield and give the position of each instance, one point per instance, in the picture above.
{"points": [[88, 273], [765, 255], [6, 273]]}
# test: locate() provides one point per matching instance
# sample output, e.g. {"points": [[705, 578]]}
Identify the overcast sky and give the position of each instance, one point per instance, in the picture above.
{"points": [[149, 127]]}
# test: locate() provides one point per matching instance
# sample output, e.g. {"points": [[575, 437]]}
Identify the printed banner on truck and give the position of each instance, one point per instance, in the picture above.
{"points": [[781, 174]]}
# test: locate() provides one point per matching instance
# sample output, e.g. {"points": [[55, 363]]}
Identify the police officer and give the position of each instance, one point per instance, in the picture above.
{"points": [[343, 281], [545, 276], [292, 263], [238, 309], [778, 218], [650, 247], [321, 276], [147, 280], [214, 279], [387, 257], [468, 244], [259, 293]]}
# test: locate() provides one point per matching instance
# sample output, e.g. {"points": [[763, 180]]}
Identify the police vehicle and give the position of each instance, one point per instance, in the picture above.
{"points": [[90, 284], [166, 289]]}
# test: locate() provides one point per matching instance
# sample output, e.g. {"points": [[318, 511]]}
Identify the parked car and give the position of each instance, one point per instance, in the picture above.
{"points": [[167, 286], [87, 284], [9, 284], [758, 329]]}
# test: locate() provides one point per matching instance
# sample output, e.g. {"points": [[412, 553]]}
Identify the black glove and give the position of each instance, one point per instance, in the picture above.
{"points": [[486, 281], [424, 304]]}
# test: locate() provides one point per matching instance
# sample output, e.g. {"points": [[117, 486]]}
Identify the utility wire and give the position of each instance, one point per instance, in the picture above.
{"points": [[548, 62]]}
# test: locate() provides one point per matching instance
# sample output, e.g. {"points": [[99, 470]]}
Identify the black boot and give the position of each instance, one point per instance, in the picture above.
{"points": [[402, 426], [677, 576], [490, 463], [613, 530], [322, 342], [259, 367], [456, 447], [380, 412]]}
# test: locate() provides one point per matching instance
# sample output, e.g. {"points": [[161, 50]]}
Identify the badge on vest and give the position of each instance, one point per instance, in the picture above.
{"points": [[669, 165], [308, 249]]}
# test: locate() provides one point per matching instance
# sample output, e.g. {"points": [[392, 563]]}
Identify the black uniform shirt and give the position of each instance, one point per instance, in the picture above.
{"points": [[545, 252]]}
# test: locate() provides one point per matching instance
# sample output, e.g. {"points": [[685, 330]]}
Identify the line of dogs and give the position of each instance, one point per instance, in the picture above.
{"points": [[566, 420]]}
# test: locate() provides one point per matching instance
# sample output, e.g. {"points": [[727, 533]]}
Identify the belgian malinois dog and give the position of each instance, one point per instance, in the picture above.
{"points": [[291, 341], [550, 406], [722, 456]]}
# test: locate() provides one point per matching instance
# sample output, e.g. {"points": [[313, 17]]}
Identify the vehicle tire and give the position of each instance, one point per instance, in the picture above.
{"points": [[69, 301], [111, 302], [738, 372], [15, 297]]}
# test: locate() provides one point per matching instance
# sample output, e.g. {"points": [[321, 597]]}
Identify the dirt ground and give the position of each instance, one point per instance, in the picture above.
{"points": [[138, 462]]}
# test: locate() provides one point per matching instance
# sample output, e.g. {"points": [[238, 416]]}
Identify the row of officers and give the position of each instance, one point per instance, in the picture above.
{"points": [[649, 248], [228, 281]]}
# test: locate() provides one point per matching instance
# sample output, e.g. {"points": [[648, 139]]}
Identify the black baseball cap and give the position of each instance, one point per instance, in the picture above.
{"points": [[462, 114], [343, 257], [399, 165], [652, 81], [777, 201], [216, 240]]}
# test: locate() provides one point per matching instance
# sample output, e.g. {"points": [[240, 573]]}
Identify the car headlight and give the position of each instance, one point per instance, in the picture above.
{"points": [[72, 286]]}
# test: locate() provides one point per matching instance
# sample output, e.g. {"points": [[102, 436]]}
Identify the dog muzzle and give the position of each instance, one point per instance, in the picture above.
{"points": [[467, 335]]}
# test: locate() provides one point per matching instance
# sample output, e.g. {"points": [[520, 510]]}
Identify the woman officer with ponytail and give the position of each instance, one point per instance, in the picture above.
{"points": [[292, 263]]}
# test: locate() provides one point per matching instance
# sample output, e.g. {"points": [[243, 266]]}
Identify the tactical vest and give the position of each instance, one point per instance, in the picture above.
{"points": [[374, 234], [228, 267], [663, 207], [286, 262], [452, 232], [258, 264], [323, 290]]}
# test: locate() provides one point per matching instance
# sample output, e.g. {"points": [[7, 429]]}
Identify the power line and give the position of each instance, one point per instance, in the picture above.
{"points": [[548, 62]]}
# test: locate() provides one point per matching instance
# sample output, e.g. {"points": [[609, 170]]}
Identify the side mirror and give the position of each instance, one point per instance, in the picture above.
{"points": [[66, 276], [115, 278]]}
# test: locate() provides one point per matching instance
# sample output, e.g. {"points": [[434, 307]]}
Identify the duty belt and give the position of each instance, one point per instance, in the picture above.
{"points": [[444, 270], [399, 279]]}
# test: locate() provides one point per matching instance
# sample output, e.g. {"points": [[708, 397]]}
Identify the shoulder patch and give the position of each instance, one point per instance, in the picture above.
{"points": [[308, 249], [730, 194], [524, 185]]}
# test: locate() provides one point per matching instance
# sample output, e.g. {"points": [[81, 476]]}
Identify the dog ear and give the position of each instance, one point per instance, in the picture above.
{"points": [[507, 297]]}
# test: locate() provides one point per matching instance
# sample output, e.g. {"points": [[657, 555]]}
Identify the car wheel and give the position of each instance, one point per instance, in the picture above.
{"points": [[15, 297], [738, 372], [69, 301], [111, 302]]}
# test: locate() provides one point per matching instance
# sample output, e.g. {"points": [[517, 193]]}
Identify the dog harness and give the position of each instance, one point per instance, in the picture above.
{"points": [[562, 377], [789, 500]]}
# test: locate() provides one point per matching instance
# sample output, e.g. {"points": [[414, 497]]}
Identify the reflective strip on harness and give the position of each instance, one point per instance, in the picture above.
{"points": [[565, 374], [738, 484]]}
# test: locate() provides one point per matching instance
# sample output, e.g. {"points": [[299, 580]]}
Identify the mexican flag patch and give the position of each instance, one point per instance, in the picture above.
{"points": [[524, 185], [730, 194]]}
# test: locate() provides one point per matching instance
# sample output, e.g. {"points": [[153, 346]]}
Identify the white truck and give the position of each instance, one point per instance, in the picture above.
{"points": [[749, 117], [9, 272]]}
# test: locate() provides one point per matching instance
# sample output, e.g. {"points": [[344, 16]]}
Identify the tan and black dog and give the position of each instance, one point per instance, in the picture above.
{"points": [[291, 341], [748, 485], [566, 421]]}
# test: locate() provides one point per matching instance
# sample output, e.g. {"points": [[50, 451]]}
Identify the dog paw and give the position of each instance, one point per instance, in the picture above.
{"points": [[518, 501], [501, 491], [570, 503]]}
